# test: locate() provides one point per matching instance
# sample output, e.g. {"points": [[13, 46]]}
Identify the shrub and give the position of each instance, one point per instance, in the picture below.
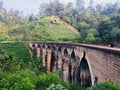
{"points": [[45, 80], [56, 87], [8, 62], [21, 80], [109, 85]]}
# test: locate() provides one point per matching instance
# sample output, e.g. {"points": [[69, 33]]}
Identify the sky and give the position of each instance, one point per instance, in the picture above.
{"points": [[32, 6]]}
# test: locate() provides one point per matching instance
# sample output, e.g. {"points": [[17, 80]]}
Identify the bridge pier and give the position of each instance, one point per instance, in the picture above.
{"points": [[65, 69], [38, 53], [48, 61], [44, 57], [60, 65]]}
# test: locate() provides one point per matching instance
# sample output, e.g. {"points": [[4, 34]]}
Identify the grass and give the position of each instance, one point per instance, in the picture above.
{"points": [[55, 32], [18, 48], [43, 30]]}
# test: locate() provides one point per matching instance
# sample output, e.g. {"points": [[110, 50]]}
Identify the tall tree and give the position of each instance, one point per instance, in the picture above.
{"points": [[80, 4], [91, 3], [1, 4]]}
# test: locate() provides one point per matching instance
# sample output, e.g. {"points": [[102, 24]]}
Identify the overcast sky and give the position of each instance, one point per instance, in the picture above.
{"points": [[31, 6]]}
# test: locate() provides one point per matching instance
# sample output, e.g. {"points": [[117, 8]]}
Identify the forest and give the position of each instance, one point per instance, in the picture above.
{"points": [[97, 23], [21, 70]]}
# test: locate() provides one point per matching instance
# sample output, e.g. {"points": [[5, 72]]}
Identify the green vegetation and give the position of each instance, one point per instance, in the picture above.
{"points": [[108, 85], [19, 71], [16, 75], [41, 30], [97, 23], [19, 49]]}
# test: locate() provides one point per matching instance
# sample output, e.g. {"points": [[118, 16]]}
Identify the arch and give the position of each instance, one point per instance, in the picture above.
{"points": [[48, 47], [53, 65], [85, 77], [69, 73], [38, 45], [73, 57], [33, 45], [44, 46], [54, 48], [65, 53], [59, 51]]}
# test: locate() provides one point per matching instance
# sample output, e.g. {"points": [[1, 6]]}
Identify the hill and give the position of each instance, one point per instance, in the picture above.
{"points": [[46, 29]]}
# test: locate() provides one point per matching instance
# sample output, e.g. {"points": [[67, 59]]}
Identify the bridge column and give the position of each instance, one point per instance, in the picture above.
{"points": [[66, 69], [60, 65], [48, 60], [38, 52], [43, 55]]}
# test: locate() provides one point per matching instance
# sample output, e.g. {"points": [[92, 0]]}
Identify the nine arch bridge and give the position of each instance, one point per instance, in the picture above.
{"points": [[80, 63]]}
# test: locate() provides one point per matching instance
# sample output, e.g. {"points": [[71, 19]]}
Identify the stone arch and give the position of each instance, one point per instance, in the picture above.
{"points": [[53, 65], [48, 47], [65, 53], [59, 51], [43, 46], [38, 46], [73, 57], [72, 67], [33, 45], [54, 48], [85, 77]]}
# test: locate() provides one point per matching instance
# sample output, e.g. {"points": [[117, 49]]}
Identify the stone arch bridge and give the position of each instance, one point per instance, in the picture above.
{"points": [[80, 63]]}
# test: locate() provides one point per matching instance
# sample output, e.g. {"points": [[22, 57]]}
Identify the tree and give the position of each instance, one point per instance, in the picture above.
{"points": [[91, 3], [90, 38], [8, 62], [80, 4], [1, 4]]}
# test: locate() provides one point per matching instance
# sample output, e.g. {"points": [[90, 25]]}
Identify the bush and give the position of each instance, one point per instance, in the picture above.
{"points": [[8, 62], [21, 80], [45, 80], [109, 85], [56, 87]]}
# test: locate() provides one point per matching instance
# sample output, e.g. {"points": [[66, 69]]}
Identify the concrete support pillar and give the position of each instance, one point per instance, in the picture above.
{"points": [[43, 55], [48, 60], [38, 52]]}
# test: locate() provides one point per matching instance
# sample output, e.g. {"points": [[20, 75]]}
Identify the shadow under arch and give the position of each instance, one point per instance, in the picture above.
{"points": [[59, 51], [65, 53], [85, 73], [44, 47], [65, 65], [71, 73], [48, 47], [33, 45], [53, 65], [73, 57]]}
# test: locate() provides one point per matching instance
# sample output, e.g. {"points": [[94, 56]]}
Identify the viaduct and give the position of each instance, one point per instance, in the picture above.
{"points": [[80, 63]]}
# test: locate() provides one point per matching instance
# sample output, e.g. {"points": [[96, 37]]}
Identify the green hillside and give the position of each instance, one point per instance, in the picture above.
{"points": [[43, 30], [17, 48]]}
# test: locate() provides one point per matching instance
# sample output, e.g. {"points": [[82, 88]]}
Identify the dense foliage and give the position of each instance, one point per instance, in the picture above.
{"points": [[97, 23], [16, 75]]}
